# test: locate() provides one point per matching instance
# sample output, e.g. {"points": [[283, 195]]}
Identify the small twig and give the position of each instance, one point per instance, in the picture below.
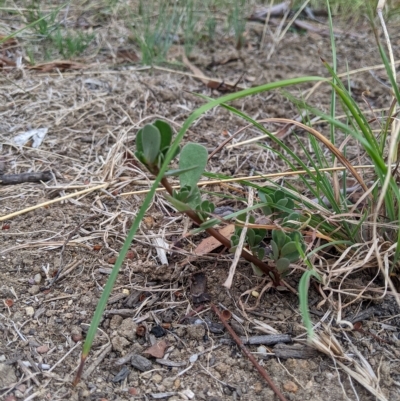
{"points": [[28, 373], [13, 179], [260, 369]]}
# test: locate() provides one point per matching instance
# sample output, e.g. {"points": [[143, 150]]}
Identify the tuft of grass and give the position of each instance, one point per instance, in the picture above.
{"points": [[70, 43]]}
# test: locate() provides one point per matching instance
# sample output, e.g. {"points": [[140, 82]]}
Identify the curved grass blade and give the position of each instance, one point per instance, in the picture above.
{"points": [[147, 201]]}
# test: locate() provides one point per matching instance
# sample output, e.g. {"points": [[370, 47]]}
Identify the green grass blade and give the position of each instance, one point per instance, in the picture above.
{"points": [[146, 203], [32, 24]]}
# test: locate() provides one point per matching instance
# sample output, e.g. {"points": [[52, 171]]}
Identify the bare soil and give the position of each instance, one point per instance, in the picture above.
{"points": [[92, 116]]}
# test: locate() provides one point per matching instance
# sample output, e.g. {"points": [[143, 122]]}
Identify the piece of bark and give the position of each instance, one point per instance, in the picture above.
{"points": [[198, 288], [141, 363], [168, 362], [296, 351], [121, 312], [12, 179], [268, 339], [157, 350]]}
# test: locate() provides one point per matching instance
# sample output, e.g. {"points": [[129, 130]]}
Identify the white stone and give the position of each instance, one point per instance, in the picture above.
{"points": [[30, 311]]}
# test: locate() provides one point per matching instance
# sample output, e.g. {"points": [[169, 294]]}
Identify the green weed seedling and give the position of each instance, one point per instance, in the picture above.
{"points": [[71, 44], [283, 244]]}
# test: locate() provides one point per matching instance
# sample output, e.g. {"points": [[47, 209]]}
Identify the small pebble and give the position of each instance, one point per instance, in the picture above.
{"points": [[30, 311], [258, 387], [42, 349], [262, 350], [38, 278], [35, 289], [157, 378], [291, 387], [188, 393]]}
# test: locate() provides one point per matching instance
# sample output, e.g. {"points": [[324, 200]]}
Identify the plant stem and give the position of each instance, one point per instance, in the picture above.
{"points": [[249, 355], [224, 241]]}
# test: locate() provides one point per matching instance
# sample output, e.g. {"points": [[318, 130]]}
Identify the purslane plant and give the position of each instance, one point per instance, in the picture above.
{"points": [[153, 143]]}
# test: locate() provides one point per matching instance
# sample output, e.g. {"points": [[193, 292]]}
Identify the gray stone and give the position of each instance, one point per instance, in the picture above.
{"points": [[127, 329], [35, 289], [141, 363], [7, 375], [196, 332], [119, 344]]}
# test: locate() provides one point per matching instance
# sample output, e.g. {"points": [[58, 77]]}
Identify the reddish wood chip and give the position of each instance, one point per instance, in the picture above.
{"points": [[210, 243], [157, 350]]}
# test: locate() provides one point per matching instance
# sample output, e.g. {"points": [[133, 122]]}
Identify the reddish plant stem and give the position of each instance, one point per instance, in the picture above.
{"points": [[249, 355], [224, 241]]}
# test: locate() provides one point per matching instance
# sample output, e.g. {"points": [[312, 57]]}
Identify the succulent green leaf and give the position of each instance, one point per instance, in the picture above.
{"points": [[295, 216], [279, 237], [250, 237], [278, 195], [293, 257], [195, 197], [140, 156], [290, 203], [256, 270], [261, 232], [282, 202], [151, 141], [192, 155], [139, 141], [289, 248], [261, 253], [257, 239], [265, 198], [165, 132], [282, 264], [235, 240], [275, 250]]}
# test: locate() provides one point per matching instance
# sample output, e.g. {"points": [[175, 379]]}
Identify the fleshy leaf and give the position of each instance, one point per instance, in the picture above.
{"points": [[279, 237], [282, 264], [151, 141], [275, 250], [165, 132], [293, 257], [139, 141], [289, 248], [192, 154], [256, 270], [278, 195]]}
